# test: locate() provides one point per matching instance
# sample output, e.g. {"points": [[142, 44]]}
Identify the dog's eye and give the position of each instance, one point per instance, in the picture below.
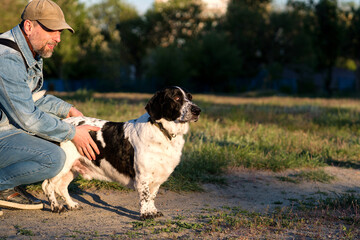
{"points": [[177, 99]]}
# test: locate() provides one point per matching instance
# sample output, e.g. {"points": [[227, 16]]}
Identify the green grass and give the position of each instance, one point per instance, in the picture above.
{"points": [[317, 175], [267, 133], [23, 231]]}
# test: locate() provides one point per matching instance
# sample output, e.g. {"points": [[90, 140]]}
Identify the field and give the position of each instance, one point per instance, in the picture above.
{"points": [[267, 141], [266, 133]]}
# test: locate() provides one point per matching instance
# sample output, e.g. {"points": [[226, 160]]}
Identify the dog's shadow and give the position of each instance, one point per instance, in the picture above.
{"points": [[99, 203]]}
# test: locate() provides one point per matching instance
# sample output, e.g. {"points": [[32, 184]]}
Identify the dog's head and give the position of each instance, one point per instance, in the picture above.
{"points": [[173, 104]]}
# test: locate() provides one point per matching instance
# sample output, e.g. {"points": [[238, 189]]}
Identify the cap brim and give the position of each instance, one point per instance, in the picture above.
{"points": [[56, 25]]}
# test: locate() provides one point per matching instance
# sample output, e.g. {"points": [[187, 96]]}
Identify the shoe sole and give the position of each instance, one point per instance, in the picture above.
{"points": [[7, 204]]}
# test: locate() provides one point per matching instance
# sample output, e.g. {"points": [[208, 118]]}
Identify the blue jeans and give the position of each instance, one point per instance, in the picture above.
{"points": [[26, 159]]}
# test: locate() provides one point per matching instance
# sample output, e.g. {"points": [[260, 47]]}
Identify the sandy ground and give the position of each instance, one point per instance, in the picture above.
{"points": [[110, 214]]}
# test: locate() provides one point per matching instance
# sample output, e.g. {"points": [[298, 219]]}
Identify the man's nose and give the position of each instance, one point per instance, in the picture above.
{"points": [[57, 36]]}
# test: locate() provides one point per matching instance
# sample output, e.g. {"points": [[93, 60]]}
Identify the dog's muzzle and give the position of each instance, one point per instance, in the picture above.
{"points": [[195, 111]]}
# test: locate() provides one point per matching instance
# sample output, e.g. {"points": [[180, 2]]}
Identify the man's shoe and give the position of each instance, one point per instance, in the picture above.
{"points": [[11, 198], [24, 193], [1, 212]]}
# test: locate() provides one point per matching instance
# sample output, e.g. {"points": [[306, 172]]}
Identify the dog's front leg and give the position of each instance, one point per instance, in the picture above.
{"points": [[49, 189], [147, 206], [63, 190]]}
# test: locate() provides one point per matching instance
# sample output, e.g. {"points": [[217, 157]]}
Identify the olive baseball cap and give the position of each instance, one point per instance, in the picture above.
{"points": [[48, 13]]}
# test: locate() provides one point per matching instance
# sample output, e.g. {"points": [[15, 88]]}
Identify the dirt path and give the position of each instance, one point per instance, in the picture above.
{"points": [[110, 214]]}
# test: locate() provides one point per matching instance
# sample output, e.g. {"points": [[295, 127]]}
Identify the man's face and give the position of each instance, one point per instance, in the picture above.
{"points": [[43, 40]]}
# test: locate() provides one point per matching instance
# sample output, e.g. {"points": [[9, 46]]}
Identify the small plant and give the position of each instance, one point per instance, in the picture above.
{"points": [[22, 231], [312, 175], [316, 175]]}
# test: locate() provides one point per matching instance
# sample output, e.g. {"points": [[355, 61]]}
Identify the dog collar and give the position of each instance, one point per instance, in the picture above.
{"points": [[162, 129]]}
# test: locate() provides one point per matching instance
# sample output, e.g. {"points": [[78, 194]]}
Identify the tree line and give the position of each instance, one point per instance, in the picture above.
{"points": [[176, 43]]}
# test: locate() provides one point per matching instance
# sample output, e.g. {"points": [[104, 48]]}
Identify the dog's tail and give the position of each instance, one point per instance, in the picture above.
{"points": [[36, 96]]}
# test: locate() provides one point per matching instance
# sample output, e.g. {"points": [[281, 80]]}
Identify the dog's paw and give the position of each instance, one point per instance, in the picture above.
{"points": [[58, 209], [159, 214], [75, 207], [145, 216]]}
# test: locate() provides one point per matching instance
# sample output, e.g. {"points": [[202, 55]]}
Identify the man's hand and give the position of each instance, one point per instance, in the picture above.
{"points": [[84, 143], [74, 113]]}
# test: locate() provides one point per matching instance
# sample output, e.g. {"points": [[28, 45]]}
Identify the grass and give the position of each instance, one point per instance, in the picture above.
{"points": [[266, 133], [232, 222], [23, 231], [317, 175]]}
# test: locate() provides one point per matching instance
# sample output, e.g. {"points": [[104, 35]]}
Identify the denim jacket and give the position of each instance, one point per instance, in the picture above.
{"points": [[18, 112]]}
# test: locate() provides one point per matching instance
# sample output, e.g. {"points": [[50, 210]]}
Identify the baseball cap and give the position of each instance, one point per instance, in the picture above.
{"points": [[47, 13]]}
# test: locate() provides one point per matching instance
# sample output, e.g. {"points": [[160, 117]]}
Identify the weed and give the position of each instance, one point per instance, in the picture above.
{"points": [[22, 231], [318, 175]]}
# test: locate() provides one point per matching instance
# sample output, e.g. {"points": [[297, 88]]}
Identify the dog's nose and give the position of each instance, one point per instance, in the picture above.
{"points": [[195, 110]]}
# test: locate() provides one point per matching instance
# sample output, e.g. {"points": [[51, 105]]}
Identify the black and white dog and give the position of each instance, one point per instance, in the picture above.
{"points": [[140, 154]]}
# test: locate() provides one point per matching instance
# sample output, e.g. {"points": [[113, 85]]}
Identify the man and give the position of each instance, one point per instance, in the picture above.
{"points": [[28, 128]]}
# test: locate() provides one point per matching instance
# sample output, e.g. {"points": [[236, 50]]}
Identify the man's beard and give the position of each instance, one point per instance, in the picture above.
{"points": [[46, 52]]}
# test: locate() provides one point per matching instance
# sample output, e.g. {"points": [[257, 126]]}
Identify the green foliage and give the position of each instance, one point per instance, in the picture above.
{"points": [[10, 13], [122, 50], [247, 27], [213, 68], [166, 66], [308, 175], [173, 22], [22, 231], [188, 67], [60, 65]]}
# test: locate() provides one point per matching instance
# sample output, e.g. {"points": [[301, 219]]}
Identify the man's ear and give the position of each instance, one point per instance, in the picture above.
{"points": [[28, 27]]}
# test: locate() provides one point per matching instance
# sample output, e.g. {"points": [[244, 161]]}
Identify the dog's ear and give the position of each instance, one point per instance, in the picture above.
{"points": [[154, 105]]}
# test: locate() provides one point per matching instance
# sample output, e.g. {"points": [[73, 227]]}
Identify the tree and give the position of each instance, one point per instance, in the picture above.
{"points": [[353, 42], [329, 37], [247, 23], [215, 63], [290, 41], [173, 22], [69, 50], [10, 13], [166, 66], [112, 54]]}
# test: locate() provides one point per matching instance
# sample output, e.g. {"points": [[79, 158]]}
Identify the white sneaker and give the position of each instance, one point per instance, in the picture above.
{"points": [[11, 198]]}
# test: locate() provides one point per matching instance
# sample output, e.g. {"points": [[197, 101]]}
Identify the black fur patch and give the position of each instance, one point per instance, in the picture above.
{"points": [[118, 150], [81, 123], [166, 104]]}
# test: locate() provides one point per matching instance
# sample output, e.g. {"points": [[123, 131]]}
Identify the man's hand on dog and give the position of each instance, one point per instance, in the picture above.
{"points": [[82, 140], [84, 143], [74, 113]]}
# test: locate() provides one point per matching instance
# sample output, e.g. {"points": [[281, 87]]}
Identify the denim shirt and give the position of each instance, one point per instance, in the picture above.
{"points": [[18, 111]]}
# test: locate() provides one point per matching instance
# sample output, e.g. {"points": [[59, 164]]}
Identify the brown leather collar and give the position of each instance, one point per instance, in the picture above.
{"points": [[162, 129]]}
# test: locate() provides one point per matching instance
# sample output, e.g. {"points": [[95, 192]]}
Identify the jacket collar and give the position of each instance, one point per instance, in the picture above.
{"points": [[25, 48], [28, 42]]}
